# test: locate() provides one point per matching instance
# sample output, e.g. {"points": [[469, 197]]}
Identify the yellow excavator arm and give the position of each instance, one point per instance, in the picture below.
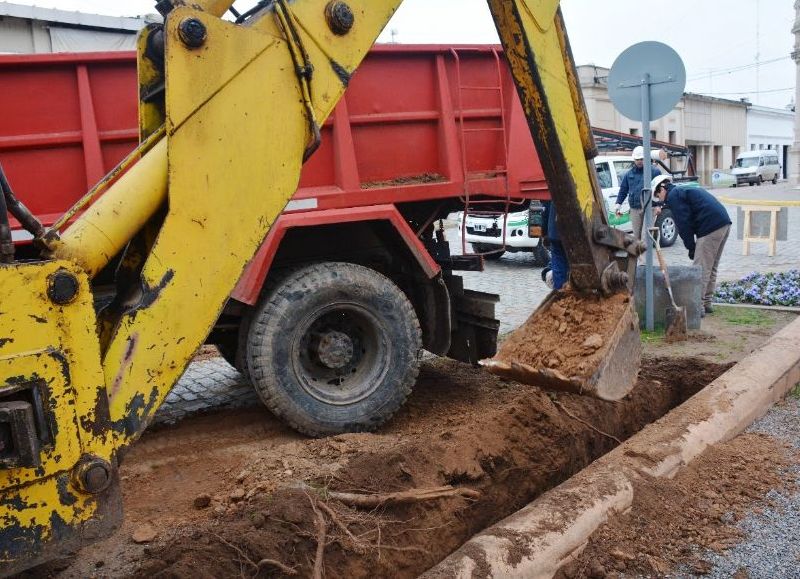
{"points": [[229, 111]]}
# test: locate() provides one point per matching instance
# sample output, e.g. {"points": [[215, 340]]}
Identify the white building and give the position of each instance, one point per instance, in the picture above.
{"points": [[769, 128], [30, 29]]}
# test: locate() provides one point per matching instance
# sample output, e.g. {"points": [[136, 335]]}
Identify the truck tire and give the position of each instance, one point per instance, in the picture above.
{"points": [[541, 256], [333, 348], [484, 248]]}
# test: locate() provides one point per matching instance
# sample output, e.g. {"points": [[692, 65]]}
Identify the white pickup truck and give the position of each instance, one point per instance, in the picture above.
{"points": [[610, 169], [485, 232]]}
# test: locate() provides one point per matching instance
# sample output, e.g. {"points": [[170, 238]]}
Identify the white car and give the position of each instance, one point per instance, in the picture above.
{"points": [[610, 169], [485, 233]]}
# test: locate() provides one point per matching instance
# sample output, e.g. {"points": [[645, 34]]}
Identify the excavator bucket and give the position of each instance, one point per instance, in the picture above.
{"points": [[576, 342]]}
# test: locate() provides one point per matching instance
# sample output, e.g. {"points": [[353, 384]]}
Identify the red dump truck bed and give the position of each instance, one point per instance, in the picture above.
{"points": [[416, 123]]}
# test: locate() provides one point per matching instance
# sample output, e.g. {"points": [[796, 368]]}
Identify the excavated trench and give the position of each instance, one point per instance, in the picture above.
{"points": [[270, 509]]}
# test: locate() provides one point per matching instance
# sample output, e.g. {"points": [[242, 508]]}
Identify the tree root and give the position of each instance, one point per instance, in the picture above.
{"points": [[359, 547], [371, 501], [322, 536], [262, 563], [582, 421], [285, 569]]}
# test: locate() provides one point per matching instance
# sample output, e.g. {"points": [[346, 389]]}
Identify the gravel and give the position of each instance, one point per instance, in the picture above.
{"points": [[771, 548]]}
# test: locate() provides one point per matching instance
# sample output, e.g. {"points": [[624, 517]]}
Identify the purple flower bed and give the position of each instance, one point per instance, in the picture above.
{"points": [[766, 289]]}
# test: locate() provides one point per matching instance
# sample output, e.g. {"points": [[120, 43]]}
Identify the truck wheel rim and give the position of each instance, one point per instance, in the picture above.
{"points": [[340, 353], [668, 228]]}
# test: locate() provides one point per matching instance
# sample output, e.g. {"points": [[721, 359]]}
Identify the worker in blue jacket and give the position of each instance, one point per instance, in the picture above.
{"points": [[559, 265], [631, 185], [703, 224]]}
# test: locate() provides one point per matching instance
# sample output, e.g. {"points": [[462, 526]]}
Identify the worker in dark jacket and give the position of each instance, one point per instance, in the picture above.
{"points": [[703, 224], [631, 186], [559, 266]]}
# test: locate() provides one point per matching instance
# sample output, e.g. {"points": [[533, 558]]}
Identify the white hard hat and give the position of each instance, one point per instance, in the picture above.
{"points": [[638, 153], [658, 180]]}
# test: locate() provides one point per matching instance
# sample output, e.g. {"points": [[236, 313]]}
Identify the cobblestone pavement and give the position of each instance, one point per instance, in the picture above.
{"points": [[212, 384]]}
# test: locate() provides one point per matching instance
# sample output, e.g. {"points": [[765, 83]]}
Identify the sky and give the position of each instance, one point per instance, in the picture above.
{"points": [[731, 48]]}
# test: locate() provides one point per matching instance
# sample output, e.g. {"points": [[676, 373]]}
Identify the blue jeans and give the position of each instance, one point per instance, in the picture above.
{"points": [[559, 264]]}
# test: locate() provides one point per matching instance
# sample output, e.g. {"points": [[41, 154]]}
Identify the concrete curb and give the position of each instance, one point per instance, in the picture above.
{"points": [[536, 541], [787, 309]]}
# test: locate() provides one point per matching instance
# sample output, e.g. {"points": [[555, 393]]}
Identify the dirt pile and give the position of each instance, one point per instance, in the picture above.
{"points": [[568, 336], [670, 519], [497, 444]]}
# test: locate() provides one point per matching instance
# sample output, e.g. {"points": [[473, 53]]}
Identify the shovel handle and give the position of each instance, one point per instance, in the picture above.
{"points": [[661, 263]]}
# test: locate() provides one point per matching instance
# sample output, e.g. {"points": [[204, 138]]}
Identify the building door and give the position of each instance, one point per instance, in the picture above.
{"points": [[785, 162]]}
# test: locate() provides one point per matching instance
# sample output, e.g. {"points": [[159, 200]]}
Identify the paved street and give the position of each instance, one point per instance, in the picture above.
{"points": [[214, 384]]}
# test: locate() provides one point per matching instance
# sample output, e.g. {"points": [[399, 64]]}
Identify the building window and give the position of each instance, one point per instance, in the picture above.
{"points": [[673, 137], [634, 132], [653, 135]]}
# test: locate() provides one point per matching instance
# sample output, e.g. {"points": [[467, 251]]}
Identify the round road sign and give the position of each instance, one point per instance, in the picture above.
{"points": [[647, 60]]}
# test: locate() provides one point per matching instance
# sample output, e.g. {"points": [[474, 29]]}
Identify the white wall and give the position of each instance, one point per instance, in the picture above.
{"points": [[769, 128], [766, 126]]}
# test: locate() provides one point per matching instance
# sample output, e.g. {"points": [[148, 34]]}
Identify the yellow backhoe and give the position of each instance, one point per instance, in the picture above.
{"points": [[229, 111]]}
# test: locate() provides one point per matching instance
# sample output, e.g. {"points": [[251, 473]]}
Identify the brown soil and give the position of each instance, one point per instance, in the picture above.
{"points": [[699, 507], [556, 337], [206, 352], [262, 491], [411, 180]]}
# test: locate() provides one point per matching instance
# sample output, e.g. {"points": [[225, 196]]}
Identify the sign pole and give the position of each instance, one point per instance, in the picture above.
{"points": [[645, 83], [647, 204]]}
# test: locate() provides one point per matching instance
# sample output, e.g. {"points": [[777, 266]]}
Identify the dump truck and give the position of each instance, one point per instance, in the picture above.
{"points": [[421, 132], [228, 113]]}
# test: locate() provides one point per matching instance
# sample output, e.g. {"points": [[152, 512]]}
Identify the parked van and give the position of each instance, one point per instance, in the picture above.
{"points": [[755, 167]]}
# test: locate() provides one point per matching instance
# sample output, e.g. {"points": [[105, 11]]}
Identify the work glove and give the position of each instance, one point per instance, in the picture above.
{"points": [[691, 254], [618, 209]]}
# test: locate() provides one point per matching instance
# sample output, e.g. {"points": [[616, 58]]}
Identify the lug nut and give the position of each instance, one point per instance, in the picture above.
{"points": [[192, 32], [93, 476], [340, 17]]}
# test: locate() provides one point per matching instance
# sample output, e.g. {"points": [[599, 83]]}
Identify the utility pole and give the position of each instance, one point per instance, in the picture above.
{"points": [[794, 156], [758, 51]]}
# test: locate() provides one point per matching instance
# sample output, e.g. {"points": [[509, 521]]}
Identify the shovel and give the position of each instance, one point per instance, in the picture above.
{"points": [[675, 330]]}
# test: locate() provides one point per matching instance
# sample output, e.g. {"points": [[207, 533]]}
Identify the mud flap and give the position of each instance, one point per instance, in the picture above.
{"points": [[474, 326], [575, 342]]}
